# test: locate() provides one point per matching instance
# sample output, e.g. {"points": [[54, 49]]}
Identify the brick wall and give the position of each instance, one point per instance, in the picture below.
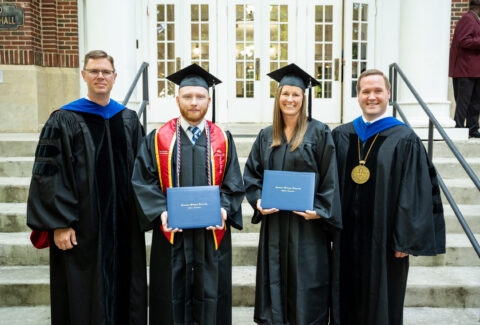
{"points": [[459, 7], [48, 37]]}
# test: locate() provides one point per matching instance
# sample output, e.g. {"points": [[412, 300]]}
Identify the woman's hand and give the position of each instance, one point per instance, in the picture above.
{"points": [[308, 214], [265, 211]]}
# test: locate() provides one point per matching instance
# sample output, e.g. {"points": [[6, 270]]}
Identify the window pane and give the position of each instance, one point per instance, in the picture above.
{"points": [[170, 13], [283, 64], [195, 51], [273, 32], [328, 89], [204, 12], [205, 51], [204, 32], [284, 51], [239, 30], [161, 69], [318, 91], [249, 32], [355, 11], [273, 13], [364, 51], [328, 71], [239, 12], [161, 88], [318, 14], [328, 14], [318, 33], [284, 13], [194, 32], [354, 90], [318, 52], [160, 51], [249, 70], [273, 88], [364, 32], [328, 33], [249, 51], [240, 52], [355, 31], [170, 89], [354, 69], [205, 65], [161, 32], [170, 32], [273, 51], [195, 13], [249, 12], [240, 70], [171, 68], [249, 88], [160, 13], [365, 12], [354, 51], [318, 71], [171, 51], [328, 51], [240, 89], [363, 66], [284, 32]]}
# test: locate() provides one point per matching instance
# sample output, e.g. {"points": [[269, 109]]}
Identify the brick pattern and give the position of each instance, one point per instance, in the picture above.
{"points": [[459, 8], [48, 38]]}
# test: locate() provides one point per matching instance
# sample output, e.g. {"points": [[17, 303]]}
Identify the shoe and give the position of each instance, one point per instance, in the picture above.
{"points": [[474, 135]]}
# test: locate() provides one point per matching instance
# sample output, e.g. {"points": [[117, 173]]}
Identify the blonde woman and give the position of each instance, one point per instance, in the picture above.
{"points": [[293, 267]]}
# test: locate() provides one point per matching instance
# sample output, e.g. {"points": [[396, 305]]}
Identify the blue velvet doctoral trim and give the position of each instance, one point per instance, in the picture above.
{"points": [[87, 106], [367, 130]]}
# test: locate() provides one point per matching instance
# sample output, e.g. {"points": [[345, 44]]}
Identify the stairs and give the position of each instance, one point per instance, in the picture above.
{"points": [[441, 290]]}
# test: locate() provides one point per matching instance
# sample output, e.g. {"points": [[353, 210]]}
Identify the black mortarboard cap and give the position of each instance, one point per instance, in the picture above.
{"points": [[194, 75], [293, 75]]}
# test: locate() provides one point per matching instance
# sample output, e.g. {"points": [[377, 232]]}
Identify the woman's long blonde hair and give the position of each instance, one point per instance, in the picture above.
{"points": [[279, 125]]}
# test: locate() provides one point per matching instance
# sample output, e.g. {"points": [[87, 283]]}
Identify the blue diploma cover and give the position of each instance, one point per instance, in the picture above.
{"points": [[193, 207], [291, 191]]}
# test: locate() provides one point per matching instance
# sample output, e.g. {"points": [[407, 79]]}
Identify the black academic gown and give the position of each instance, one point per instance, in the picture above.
{"points": [[81, 179], [398, 209], [293, 264], [190, 281]]}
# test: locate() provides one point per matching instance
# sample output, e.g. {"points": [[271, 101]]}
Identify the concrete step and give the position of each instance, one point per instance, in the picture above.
{"points": [[471, 213], [14, 189], [457, 287], [16, 250], [16, 166], [40, 315], [18, 144], [462, 190], [469, 148], [451, 168], [13, 217]]}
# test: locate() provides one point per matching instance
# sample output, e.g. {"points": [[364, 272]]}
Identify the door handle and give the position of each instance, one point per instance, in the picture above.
{"points": [[257, 69], [337, 69]]}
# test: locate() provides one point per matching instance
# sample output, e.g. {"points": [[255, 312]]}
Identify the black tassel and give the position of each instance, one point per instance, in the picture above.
{"points": [[310, 101], [213, 105]]}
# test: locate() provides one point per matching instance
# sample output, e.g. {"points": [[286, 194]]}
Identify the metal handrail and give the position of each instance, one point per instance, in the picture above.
{"points": [[394, 70], [142, 71]]}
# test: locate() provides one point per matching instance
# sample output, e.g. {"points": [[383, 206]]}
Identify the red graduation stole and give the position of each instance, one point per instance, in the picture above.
{"points": [[165, 145]]}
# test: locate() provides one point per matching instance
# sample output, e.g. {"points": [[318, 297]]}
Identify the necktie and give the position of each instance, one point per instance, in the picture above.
{"points": [[196, 133]]}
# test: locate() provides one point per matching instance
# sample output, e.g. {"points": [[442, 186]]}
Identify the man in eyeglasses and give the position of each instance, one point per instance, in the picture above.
{"points": [[80, 200]]}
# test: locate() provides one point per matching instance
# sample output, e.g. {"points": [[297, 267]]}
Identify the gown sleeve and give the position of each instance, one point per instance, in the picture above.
{"points": [[150, 200], [232, 191], [419, 227], [327, 196], [253, 176], [53, 195]]}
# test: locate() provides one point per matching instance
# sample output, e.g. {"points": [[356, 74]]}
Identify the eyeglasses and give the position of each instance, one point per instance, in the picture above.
{"points": [[106, 73]]}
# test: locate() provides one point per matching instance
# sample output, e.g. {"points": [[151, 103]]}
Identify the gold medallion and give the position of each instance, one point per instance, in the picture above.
{"points": [[360, 174]]}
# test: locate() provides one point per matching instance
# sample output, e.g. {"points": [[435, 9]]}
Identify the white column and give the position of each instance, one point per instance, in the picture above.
{"points": [[424, 36], [110, 25]]}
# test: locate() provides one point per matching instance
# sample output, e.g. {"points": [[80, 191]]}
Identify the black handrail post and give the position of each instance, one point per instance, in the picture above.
{"points": [[145, 95], [395, 89], [430, 139]]}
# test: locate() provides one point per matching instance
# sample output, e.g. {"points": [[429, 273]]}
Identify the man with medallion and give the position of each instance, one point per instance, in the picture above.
{"points": [[190, 269], [391, 208]]}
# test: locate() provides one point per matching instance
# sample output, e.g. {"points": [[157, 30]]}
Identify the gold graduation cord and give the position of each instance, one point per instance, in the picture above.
{"points": [[361, 174]]}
